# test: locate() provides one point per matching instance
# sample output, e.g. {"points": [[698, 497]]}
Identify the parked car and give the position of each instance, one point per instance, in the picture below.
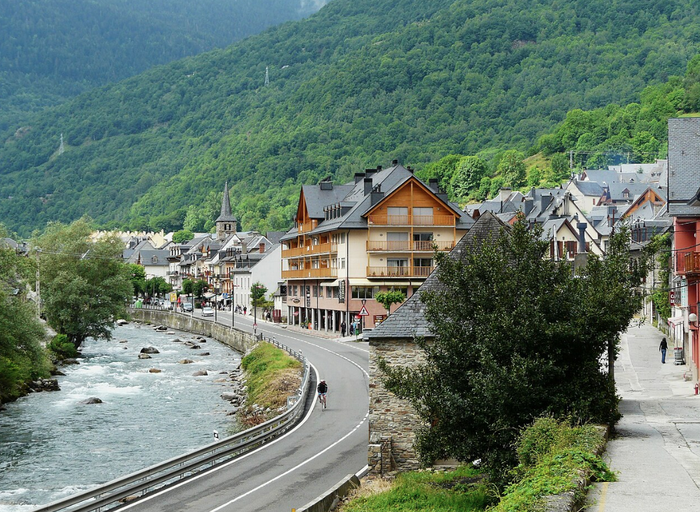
{"points": [[207, 311], [187, 306]]}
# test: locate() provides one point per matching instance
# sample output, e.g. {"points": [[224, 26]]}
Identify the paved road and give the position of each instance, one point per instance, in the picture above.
{"points": [[656, 450], [291, 471]]}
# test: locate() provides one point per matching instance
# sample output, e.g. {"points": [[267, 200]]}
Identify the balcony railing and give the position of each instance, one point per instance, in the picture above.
{"points": [[411, 220], [399, 271], [408, 246], [310, 250], [688, 262], [309, 273]]}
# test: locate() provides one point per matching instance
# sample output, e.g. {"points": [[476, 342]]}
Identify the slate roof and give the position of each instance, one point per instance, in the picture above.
{"points": [[589, 188], [226, 215], [409, 321], [353, 198]]}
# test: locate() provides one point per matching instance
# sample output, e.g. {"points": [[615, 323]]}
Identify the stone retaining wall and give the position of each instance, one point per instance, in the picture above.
{"points": [[393, 422], [240, 341]]}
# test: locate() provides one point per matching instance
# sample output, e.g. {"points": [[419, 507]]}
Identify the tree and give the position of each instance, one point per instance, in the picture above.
{"points": [[386, 299], [467, 177], [257, 295], [512, 168], [138, 278], [84, 283], [516, 336], [22, 357], [157, 286], [183, 235]]}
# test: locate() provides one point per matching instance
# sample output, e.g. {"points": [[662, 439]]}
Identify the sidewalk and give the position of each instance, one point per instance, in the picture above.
{"points": [[655, 451]]}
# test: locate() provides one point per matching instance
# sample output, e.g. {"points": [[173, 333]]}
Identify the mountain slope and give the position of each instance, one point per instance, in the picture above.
{"points": [[357, 84], [54, 49]]}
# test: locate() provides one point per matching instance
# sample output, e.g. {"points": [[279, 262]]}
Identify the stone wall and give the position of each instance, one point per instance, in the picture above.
{"points": [[393, 422], [240, 341]]}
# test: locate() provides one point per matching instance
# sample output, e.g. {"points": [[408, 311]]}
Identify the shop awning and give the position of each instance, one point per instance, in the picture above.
{"points": [[208, 295], [332, 283], [675, 320]]}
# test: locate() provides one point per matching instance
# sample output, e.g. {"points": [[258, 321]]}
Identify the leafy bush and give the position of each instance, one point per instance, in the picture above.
{"points": [[553, 456], [62, 348]]}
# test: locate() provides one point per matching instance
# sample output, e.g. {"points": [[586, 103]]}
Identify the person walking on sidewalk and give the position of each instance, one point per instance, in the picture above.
{"points": [[663, 346], [342, 328]]}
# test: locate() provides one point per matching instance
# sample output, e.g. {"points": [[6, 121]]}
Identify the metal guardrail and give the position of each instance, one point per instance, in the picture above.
{"points": [[116, 492]]}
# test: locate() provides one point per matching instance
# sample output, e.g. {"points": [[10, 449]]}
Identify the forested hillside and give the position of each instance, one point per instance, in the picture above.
{"points": [[354, 86], [51, 50]]}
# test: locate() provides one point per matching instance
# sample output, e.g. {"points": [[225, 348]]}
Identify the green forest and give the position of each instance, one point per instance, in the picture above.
{"points": [[52, 50], [356, 85]]}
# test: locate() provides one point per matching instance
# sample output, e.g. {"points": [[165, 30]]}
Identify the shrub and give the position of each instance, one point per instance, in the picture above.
{"points": [[62, 348]]}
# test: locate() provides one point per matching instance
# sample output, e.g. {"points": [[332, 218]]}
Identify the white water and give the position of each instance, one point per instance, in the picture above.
{"points": [[51, 446]]}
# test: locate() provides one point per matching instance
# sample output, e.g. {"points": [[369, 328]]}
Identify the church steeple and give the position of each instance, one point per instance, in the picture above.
{"points": [[226, 222]]}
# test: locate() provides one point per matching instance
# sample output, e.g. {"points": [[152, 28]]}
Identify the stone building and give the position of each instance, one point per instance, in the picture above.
{"points": [[393, 422]]}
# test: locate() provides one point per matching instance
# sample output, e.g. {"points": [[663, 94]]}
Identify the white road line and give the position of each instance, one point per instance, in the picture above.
{"points": [[150, 496], [294, 468]]}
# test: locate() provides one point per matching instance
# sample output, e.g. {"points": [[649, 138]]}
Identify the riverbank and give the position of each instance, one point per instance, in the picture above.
{"points": [[152, 409]]}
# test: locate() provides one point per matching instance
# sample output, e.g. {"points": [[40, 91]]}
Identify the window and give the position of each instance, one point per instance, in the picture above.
{"points": [[422, 216], [342, 262], [422, 241], [397, 240], [397, 267], [422, 266], [364, 292], [329, 291], [315, 291]]}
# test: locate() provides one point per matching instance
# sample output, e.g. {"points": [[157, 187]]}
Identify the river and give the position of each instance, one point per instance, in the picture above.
{"points": [[52, 446]]}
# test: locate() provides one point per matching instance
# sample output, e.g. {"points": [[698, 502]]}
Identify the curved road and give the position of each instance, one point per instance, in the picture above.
{"points": [[289, 472]]}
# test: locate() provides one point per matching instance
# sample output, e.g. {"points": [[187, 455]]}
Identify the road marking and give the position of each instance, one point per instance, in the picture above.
{"points": [[603, 492], [218, 467], [294, 468]]}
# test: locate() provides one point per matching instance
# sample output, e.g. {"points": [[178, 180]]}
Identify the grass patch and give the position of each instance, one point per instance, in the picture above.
{"points": [[463, 489], [271, 376], [554, 456]]}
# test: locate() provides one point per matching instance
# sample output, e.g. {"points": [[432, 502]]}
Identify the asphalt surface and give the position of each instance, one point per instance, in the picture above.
{"points": [[291, 471], [655, 451]]}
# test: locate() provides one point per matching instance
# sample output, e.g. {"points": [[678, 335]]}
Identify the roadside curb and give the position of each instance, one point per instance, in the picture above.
{"points": [[330, 499]]}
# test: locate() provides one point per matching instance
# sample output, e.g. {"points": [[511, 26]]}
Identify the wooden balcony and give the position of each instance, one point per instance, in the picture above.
{"points": [[309, 273], [688, 263], [408, 246], [421, 272], [411, 220], [310, 250]]}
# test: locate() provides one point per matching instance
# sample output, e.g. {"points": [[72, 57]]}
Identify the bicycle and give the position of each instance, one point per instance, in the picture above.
{"points": [[322, 400]]}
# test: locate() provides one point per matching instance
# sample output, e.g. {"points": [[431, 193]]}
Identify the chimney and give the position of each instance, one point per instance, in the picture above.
{"points": [[433, 184], [244, 247], [394, 163], [370, 172], [377, 195], [262, 247], [359, 176], [379, 168], [368, 185], [529, 203], [581, 226], [544, 202]]}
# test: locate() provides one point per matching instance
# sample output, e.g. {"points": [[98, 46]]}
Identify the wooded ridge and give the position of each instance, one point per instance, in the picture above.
{"points": [[356, 85]]}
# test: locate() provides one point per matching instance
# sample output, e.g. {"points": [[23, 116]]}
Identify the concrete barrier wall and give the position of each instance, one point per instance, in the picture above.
{"points": [[330, 498], [240, 341]]}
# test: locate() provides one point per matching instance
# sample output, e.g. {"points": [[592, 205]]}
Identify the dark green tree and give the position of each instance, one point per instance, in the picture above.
{"points": [[387, 299], [512, 168], [84, 283], [22, 357], [183, 235], [138, 278], [467, 177], [516, 336]]}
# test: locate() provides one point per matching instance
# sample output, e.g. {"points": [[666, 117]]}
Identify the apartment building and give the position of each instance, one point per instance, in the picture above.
{"points": [[351, 241]]}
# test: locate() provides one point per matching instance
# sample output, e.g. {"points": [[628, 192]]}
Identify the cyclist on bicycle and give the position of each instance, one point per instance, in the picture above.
{"points": [[322, 390]]}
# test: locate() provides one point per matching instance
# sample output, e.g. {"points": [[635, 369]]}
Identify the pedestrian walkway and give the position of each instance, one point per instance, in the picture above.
{"points": [[655, 451]]}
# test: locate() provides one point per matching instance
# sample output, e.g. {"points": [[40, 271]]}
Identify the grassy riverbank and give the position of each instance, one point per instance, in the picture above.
{"points": [[555, 458], [271, 375]]}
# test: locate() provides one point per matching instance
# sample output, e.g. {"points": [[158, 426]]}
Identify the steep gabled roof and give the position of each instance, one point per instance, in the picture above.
{"points": [[409, 321], [226, 215]]}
